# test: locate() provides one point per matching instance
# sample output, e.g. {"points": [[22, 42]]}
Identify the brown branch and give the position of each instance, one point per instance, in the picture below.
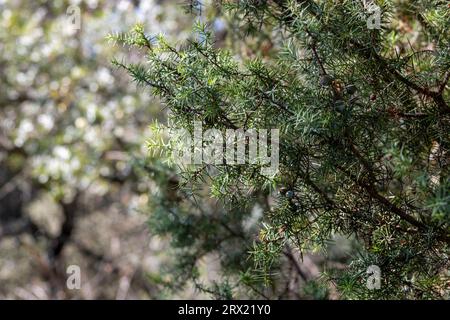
{"points": [[444, 83], [370, 189], [58, 244], [288, 254]]}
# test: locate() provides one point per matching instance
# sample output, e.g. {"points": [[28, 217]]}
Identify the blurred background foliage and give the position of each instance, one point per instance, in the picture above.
{"points": [[71, 129]]}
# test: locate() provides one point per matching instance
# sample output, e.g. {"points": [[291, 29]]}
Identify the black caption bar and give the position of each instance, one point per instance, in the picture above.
{"points": [[202, 309]]}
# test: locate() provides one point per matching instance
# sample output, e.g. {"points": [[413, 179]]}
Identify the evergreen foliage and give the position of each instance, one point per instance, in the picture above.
{"points": [[364, 144]]}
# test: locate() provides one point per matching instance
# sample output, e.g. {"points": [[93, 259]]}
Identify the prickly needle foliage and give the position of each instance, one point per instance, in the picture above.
{"points": [[364, 121]]}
